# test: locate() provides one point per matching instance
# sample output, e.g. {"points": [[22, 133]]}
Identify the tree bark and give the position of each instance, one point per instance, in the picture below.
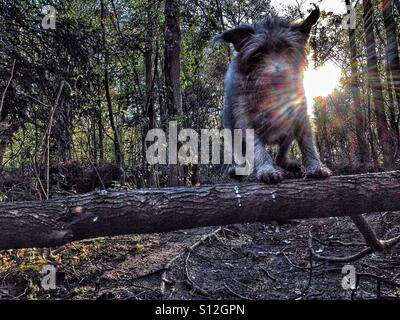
{"points": [[5, 132], [63, 131], [172, 70], [150, 63], [99, 122], [58, 221], [392, 58], [116, 139], [5, 138], [371, 135], [374, 82], [359, 115]]}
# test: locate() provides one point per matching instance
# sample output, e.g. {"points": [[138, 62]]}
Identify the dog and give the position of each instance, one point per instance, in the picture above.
{"points": [[264, 91]]}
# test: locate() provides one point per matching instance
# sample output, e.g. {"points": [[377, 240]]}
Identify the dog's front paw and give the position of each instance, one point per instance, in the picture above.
{"points": [[269, 175], [318, 171]]}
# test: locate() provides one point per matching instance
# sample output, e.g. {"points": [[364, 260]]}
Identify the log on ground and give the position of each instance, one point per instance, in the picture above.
{"points": [[110, 213]]}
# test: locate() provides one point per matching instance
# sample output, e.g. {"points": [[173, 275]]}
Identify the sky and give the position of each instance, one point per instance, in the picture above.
{"points": [[321, 81], [337, 6]]}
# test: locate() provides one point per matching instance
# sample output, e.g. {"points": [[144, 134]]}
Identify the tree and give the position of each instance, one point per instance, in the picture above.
{"points": [[172, 69], [150, 57], [375, 84], [117, 142], [5, 130], [134, 65], [354, 84], [392, 60]]}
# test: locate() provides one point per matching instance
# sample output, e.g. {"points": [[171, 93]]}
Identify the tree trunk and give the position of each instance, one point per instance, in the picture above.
{"points": [[5, 138], [375, 84], [149, 112], [99, 121], [172, 70], [2, 152], [359, 115], [58, 221], [371, 134], [6, 132], [117, 143], [392, 58], [63, 132], [93, 137]]}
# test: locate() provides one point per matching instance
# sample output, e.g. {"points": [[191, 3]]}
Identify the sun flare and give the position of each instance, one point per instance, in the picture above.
{"points": [[321, 81]]}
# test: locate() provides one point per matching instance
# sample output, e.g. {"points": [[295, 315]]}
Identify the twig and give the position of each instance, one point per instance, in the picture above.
{"points": [[192, 283], [234, 293], [12, 156], [48, 134], [35, 169], [368, 233], [268, 274], [168, 266], [292, 263], [103, 186], [386, 245], [380, 279], [299, 267], [21, 295], [7, 86], [337, 242], [353, 258], [309, 278]]}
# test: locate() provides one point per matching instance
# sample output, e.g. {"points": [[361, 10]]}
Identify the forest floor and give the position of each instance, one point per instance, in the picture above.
{"points": [[238, 262]]}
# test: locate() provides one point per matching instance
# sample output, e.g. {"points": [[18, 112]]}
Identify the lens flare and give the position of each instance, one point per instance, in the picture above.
{"points": [[320, 82]]}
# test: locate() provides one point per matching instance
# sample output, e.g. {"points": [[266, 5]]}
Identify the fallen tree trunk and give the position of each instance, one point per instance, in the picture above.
{"points": [[109, 213]]}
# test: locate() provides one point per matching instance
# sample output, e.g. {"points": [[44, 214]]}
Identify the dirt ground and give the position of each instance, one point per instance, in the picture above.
{"points": [[238, 262]]}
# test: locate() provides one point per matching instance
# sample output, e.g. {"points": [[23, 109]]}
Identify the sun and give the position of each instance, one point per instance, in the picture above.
{"points": [[320, 82]]}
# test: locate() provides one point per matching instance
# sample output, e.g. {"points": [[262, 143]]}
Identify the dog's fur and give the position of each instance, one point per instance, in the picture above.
{"points": [[264, 91]]}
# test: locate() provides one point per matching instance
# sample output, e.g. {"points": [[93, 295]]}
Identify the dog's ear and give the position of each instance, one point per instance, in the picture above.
{"points": [[236, 36], [306, 25]]}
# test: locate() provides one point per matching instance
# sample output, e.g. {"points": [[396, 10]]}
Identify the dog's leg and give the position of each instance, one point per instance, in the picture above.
{"points": [[283, 160], [311, 159], [265, 164]]}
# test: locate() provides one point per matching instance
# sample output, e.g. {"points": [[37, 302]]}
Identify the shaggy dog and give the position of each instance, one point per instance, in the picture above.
{"points": [[264, 91]]}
